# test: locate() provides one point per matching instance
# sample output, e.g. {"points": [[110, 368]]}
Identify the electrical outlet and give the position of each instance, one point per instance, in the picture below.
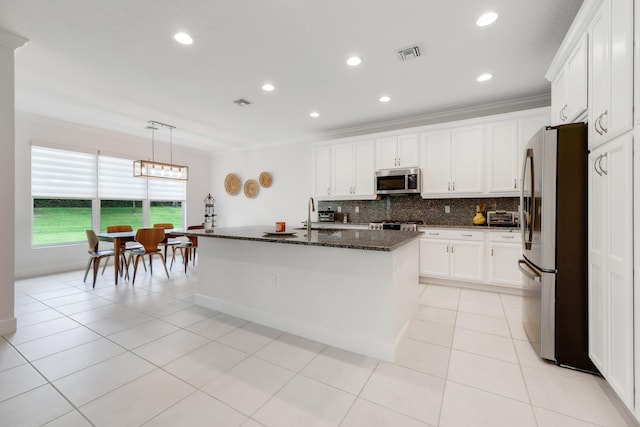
{"points": [[447, 209], [357, 209], [339, 209], [274, 280]]}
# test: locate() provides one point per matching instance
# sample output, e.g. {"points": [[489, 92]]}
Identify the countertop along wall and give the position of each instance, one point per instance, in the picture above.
{"points": [[415, 208], [31, 261]]}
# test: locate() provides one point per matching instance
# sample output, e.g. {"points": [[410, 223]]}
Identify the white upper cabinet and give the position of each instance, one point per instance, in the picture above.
{"points": [[467, 149], [322, 173], [503, 152], [569, 87], [398, 151], [436, 163], [452, 162], [611, 71], [353, 170]]}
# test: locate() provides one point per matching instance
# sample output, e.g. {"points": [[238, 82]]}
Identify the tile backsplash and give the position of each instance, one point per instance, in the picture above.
{"points": [[415, 208]]}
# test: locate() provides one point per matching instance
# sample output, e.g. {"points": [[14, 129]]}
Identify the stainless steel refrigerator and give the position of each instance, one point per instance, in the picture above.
{"points": [[553, 222]]}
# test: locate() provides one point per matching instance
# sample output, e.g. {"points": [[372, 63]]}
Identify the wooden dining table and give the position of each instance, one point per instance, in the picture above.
{"points": [[120, 238]]}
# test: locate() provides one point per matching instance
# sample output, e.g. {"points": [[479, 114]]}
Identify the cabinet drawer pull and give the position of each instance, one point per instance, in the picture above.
{"points": [[507, 237], [434, 234], [467, 235]]}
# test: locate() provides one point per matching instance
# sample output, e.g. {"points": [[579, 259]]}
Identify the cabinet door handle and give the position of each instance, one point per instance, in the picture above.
{"points": [[399, 161], [603, 156], [328, 191], [453, 186], [491, 251], [449, 186], [598, 124], [604, 116], [515, 183], [447, 248], [452, 248], [563, 115], [595, 164]]}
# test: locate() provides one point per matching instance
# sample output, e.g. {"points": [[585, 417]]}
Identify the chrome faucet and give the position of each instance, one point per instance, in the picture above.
{"points": [[311, 207]]}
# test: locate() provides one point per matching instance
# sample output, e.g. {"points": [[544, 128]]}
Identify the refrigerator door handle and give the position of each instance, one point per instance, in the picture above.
{"points": [[528, 272]]}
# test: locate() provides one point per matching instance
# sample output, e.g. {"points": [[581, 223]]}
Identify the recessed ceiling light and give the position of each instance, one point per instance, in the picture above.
{"points": [[314, 114], [487, 19], [354, 61], [183, 38], [484, 77], [384, 98], [268, 87]]}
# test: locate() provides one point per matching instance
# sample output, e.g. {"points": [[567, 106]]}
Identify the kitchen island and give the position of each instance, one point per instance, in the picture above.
{"points": [[353, 289]]}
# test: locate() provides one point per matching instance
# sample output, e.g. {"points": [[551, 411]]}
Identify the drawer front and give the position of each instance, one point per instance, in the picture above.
{"points": [[452, 234], [505, 237], [468, 235]]}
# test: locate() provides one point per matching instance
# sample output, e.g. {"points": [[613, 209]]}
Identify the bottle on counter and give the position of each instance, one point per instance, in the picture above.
{"points": [[345, 218]]}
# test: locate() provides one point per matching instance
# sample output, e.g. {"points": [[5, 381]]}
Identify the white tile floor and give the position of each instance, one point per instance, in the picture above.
{"points": [[145, 355]]}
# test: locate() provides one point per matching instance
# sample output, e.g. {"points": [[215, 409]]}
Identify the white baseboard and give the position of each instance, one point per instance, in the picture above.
{"points": [[8, 326], [490, 287]]}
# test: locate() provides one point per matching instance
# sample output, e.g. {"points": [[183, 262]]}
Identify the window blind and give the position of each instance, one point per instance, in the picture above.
{"points": [[116, 180], [61, 173], [167, 189]]}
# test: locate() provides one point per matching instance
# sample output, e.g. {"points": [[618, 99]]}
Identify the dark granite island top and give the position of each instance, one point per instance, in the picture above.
{"points": [[373, 240]]}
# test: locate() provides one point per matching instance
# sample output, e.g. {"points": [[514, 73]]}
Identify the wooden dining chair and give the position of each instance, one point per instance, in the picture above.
{"points": [[149, 238], [96, 255], [126, 247], [187, 248], [167, 242]]}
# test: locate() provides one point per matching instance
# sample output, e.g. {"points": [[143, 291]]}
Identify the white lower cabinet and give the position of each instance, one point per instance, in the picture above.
{"points": [[452, 254], [504, 251], [611, 317]]}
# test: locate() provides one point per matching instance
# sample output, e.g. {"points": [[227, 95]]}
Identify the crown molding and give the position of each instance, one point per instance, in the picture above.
{"points": [[526, 103]]}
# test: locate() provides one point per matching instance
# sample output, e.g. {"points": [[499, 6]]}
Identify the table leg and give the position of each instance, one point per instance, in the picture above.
{"points": [[116, 255]]}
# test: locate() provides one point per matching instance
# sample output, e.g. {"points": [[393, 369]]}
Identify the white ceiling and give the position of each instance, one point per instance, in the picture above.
{"points": [[113, 64]]}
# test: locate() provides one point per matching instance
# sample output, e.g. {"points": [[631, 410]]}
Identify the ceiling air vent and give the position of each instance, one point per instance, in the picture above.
{"points": [[241, 102], [408, 53]]}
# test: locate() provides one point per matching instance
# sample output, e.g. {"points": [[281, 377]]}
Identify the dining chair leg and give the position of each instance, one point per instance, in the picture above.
{"points": [[86, 272], [124, 266], [135, 268], [164, 264], [96, 267], [105, 265]]}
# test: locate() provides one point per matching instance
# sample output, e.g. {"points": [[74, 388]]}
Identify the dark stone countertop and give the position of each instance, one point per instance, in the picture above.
{"points": [[372, 240]]}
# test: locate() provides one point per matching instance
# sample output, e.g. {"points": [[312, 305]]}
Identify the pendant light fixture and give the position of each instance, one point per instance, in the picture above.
{"points": [[153, 169]]}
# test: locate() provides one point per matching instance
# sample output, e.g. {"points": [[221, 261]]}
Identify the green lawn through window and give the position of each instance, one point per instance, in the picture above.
{"points": [[59, 225]]}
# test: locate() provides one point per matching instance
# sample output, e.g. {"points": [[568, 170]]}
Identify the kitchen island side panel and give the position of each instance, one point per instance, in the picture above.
{"points": [[358, 300]]}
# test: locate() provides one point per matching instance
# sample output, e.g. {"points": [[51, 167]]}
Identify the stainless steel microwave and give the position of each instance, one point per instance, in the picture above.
{"points": [[398, 181]]}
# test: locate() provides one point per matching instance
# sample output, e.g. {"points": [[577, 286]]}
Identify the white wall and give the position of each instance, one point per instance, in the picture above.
{"points": [[7, 319], [286, 199], [31, 261]]}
